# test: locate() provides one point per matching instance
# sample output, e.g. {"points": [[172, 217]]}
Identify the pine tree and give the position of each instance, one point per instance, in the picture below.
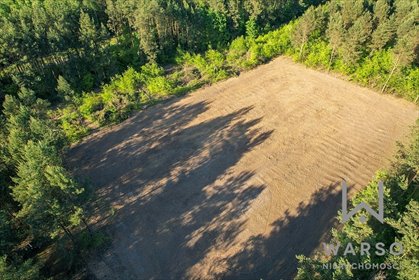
{"points": [[116, 20], [251, 29], [406, 16], [46, 194], [335, 33], [305, 27], [404, 9], [88, 34], [404, 52], [27, 120], [383, 25], [351, 10], [64, 89], [356, 39], [147, 16]]}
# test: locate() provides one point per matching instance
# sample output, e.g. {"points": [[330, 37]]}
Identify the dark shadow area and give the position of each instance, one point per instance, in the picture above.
{"points": [[273, 257], [173, 181], [182, 204], [153, 122]]}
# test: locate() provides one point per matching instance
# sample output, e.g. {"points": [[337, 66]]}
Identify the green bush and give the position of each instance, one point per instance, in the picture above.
{"points": [[72, 124], [90, 104], [212, 66], [340, 66], [318, 54], [374, 70], [116, 108], [150, 70], [159, 86], [90, 241], [254, 56], [236, 53], [411, 84], [251, 29], [270, 49], [127, 83], [215, 65], [64, 89], [283, 37], [405, 83]]}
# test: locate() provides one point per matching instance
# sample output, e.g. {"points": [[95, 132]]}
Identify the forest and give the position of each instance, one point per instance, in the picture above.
{"points": [[68, 67]]}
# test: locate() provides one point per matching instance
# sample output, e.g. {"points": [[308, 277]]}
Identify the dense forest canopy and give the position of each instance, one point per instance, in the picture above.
{"points": [[68, 66], [89, 41]]}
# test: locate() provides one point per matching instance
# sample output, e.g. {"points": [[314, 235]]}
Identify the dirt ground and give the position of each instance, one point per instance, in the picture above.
{"points": [[234, 180]]}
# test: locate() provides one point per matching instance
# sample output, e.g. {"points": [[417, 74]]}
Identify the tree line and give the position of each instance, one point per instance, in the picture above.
{"points": [[373, 43], [89, 41]]}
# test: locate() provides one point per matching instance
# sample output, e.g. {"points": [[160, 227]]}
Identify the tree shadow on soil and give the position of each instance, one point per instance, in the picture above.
{"points": [[180, 199], [273, 256]]}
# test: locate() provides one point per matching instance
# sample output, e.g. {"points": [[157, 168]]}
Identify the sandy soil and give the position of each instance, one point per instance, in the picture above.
{"points": [[234, 180]]}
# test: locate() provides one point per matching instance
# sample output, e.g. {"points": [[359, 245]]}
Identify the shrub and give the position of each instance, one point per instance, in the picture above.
{"points": [[90, 104], [406, 83], [254, 56], [374, 70], [283, 38], [159, 86], [72, 124], [211, 67], [116, 108], [340, 66], [89, 241], [150, 70], [236, 53], [125, 83], [251, 29], [318, 54], [270, 49], [215, 65]]}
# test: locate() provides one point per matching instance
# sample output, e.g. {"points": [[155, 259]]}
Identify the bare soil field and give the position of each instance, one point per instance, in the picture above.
{"points": [[234, 180]]}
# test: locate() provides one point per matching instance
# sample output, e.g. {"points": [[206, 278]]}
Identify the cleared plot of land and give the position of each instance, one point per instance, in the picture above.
{"points": [[236, 179]]}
